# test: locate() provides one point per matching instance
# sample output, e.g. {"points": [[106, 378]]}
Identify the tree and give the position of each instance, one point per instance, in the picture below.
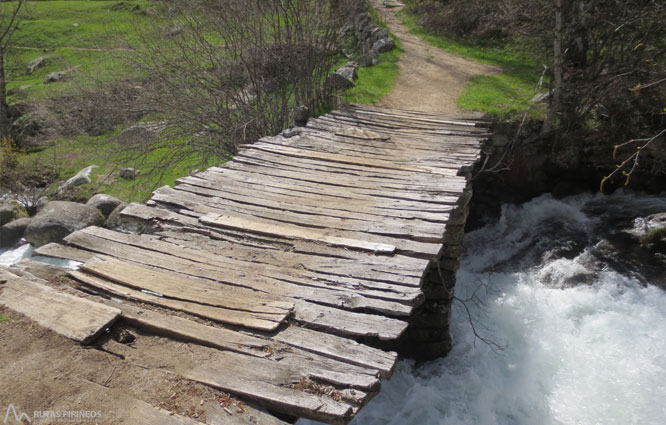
{"points": [[9, 20]]}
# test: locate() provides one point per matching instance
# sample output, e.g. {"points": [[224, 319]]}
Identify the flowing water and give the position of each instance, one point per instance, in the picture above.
{"points": [[582, 329]]}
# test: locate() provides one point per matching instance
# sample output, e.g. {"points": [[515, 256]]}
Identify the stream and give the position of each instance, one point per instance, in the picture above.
{"points": [[582, 328]]}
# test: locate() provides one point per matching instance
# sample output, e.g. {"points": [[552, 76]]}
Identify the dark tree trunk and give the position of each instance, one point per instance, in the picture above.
{"points": [[4, 107]]}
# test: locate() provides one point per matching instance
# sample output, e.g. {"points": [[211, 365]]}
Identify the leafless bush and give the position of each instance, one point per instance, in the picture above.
{"points": [[232, 70]]}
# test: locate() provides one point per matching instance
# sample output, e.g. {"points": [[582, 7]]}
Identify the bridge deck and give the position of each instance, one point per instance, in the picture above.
{"points": [[302, 245]]}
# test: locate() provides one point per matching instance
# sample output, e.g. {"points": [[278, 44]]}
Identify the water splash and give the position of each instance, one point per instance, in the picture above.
{"points": [[575, 355]]}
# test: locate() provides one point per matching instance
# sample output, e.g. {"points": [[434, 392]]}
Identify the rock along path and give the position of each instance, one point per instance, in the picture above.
{"points": [[430, 79]]}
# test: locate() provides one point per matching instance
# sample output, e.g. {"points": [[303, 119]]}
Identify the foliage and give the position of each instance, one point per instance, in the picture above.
{"points": [[227, 74], [27, 181], [3, 318], [605, 59]]}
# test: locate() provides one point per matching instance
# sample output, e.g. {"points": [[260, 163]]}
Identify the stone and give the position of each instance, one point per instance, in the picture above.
{"points": [[384, 45], [60, 218], [82, 177], [11, 233], [104, 203], [142, 132], [349, 72], [129, 173], [337, 82], [541, 98], [367, 59], [117, 222], [58, 76], [378, 34], [8, 212], [36, 64], [172, 32], [300, 115], [389, 4]]}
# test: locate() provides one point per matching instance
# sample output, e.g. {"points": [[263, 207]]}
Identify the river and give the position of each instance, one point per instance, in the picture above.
{"points": [[583, 335]]}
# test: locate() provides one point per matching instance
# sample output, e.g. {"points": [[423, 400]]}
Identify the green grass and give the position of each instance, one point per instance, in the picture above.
{"points": [[72, 155], [3, 318], [377, 81], [502, 96], [89, 35], [70, 33]]}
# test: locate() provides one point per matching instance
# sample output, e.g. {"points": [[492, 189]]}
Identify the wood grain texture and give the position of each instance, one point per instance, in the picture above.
{"points": [[72, 317]]}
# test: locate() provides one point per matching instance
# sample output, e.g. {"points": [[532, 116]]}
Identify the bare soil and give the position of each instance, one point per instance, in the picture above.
{"points": [[430, 79], [43, 371]]}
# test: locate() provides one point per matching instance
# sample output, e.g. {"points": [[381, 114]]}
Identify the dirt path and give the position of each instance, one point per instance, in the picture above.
{"points": [[430, 79]]}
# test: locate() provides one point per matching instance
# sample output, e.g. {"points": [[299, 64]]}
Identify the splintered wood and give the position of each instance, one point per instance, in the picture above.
{"points": [[299, 247]]}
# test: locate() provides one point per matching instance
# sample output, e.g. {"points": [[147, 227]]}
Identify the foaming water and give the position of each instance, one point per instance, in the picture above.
{"points": [[14, 255], [587, 354]]}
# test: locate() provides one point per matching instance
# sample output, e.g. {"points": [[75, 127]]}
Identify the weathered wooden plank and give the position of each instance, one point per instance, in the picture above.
{"points": [[210, 271], [265, 200], [302, 153], [391, 233], [286, 211], [309, 182], [272, 385], [375, 272], [73, 317], [292, 232], [174, 286], [340, 175], [341, 322], [334, 371], [427, 212], [339, 348], [191, 250], [217, 314]]}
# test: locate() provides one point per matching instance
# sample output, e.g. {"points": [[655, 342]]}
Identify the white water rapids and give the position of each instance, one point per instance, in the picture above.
{"points": [[585, 354]]}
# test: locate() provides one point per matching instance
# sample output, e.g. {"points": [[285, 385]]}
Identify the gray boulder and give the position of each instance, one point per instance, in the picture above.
{"points": [[384, 45], [347, 71], [82, 177], [117, 222], [8, 212], [300, 115], [142, 132], [337, 82], [11, 233], [129, 173], [391, 4], [36, 64], [368, 59], [60, 218], [57, 76], [104, 203]]}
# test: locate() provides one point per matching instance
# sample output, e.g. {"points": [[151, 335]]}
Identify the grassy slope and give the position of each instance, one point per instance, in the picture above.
{"points": [[48, 29], [501, 96]]}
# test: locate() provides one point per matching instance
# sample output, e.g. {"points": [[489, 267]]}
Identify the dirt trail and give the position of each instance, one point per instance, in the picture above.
{"points": [[430, 79]]}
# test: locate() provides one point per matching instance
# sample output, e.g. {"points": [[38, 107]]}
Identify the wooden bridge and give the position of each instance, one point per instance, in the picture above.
{"points": [[307, 262]]}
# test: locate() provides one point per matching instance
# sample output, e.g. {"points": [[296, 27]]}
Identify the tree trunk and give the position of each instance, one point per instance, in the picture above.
{"points": [[4, 108], [556, 102]]}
